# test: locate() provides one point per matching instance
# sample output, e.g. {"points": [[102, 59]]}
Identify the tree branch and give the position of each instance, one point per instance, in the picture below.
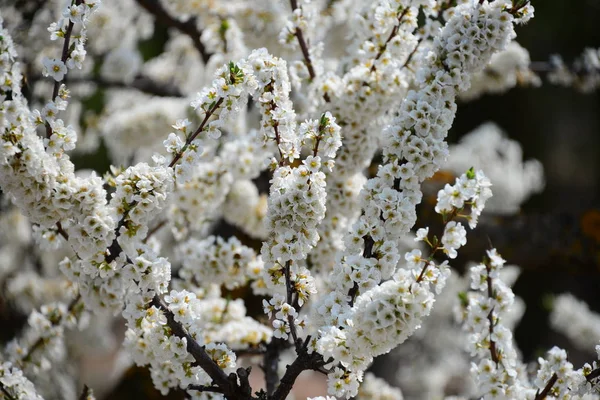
{"points": [[188, 27], [63, 58], [85, 393], [227, 384], [542, 395], [5, 392], [304, 361]]}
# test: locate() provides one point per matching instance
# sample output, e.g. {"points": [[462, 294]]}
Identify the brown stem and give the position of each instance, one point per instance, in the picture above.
{"points": [[271, 363], [188, 27], [593, 375], [63, 58], [516, 7], [390, 37], [542, 395], [367, 253], [155, 229], [304, 361], [5, 391], [228, 385], [85, 393], [305, 53], [193, 136], [290, 294], [303, 45], [204, 388], [40, 341], [490, 317], [412, 53]]}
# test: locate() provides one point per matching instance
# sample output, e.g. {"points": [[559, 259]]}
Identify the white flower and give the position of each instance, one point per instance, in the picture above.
{"points": [[422, 234], [74, 13], [54, 68]]}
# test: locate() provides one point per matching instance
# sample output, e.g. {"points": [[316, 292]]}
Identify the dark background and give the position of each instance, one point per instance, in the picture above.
{"points": [[561, 128]]}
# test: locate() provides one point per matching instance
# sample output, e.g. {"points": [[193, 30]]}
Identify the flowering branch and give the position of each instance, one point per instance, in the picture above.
{"points": [[305, 360], [227, 384], [71, 309], [393, 34], [5, 392], [188, 27], [546, 391], [193, 136], [303, 45], [63, 59]]}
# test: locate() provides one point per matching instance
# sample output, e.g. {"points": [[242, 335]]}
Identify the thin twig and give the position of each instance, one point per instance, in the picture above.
{"points": [[305, 52], [5, 391], [204, 388], [193, 136], [290, 301], [303, 46], [63, 58], [542, 395], [393, 34], [304, 361], [156, 228], [228, 384], [188, 27], [40, 341], [85, 393]]}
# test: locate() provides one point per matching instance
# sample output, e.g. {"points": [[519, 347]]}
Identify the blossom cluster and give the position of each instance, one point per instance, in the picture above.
{"points": [[265, 186], [497, 368]]}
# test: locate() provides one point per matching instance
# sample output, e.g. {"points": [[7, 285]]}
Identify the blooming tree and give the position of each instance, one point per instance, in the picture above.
{"points": [[305, 96]]}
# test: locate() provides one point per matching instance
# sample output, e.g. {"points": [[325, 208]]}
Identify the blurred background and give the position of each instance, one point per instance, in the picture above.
{"points": [[556, 240]]}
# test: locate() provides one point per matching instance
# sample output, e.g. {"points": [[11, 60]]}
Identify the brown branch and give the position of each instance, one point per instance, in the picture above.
{"points": [[593, 375], [85, 393], [193, 136], [304, 361], [41, 341], [63, 58], [393, 33], [367, 253], [542, 395], [188, 27], [305, 53], [228, 384], [155, 229], [271, 363], [290, 295], [490, 317], [412, 53], [303, 45], [204, 388], [6, 393], [517, 7]]}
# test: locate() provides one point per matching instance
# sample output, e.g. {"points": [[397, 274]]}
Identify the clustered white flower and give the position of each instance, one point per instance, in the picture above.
{"points": [[74, 16], [328, 234], [472, 189], [16, 384], [489, 149], [507, 69], [470, 37], [215, 261], [497, 369]]}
